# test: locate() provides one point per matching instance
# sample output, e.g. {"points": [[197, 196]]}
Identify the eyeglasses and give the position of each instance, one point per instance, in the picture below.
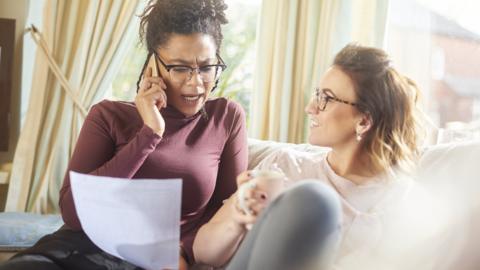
{"points": [[322, 99], [183, 73]]}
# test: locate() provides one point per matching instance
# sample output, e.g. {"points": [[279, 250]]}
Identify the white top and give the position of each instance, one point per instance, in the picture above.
{"points": [[372, 211]]}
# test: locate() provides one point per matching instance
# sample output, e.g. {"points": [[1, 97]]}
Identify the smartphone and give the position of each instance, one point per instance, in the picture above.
{"points": [[152, 63]]}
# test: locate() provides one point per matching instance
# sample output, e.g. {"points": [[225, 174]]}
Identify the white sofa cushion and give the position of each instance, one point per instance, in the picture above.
{"points": [[21, 230]]}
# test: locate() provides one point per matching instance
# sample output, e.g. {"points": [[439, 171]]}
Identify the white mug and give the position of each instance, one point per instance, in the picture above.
{"points": [[270, 182]]}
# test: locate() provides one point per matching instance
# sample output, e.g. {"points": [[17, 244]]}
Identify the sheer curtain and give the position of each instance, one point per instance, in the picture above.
{"points": [[296, 43], [80, 46]]}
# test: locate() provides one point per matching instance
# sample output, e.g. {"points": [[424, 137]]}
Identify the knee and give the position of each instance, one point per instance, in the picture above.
{"points": [[312, 199]]}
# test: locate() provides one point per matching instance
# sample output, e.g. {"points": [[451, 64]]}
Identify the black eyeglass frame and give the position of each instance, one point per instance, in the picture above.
{"points": [[220, 65]]}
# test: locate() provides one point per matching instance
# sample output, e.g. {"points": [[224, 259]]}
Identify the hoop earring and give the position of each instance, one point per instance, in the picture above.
{"points": [[204, 113], [215, 86]]}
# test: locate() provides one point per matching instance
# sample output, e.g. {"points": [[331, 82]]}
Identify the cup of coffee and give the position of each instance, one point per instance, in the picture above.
{"points": [[270, 182]]}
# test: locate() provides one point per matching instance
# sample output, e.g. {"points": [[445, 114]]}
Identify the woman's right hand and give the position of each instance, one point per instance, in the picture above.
{"points": [[150, 99]]}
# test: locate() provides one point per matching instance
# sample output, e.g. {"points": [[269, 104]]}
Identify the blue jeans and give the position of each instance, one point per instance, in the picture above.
{"points": [[299, 230]]}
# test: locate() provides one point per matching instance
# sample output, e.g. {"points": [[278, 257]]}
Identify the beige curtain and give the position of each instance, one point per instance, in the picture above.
{"points": [[81, 41], [369, 18], [296, 43]]}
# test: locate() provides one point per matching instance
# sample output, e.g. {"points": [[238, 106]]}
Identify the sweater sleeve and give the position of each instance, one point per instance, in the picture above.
{"points": [[95, 153], [233, 161]]}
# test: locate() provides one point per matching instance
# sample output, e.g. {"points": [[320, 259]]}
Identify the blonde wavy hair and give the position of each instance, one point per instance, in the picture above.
{"points": [[392, 102]]}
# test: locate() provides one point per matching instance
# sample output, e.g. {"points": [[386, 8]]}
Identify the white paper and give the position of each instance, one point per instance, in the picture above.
{"points": [[136, 220]]}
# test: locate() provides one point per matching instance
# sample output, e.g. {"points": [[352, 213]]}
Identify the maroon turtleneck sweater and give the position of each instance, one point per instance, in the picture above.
{"points": [[206, 152]]}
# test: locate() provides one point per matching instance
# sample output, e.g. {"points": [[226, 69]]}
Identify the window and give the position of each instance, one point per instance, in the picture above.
{"points": [[124, 85], [238, 52], [437, 43]]}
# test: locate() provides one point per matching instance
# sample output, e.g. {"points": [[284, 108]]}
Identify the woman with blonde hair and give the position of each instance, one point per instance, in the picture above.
{"points": [[367, 114]]}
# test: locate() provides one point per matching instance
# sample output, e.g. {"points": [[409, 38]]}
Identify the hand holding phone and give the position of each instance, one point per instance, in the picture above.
{"points": [[151, 97]]}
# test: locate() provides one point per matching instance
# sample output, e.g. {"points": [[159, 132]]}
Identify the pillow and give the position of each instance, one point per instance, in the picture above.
{"points": [[452, 168], [452, 173]]}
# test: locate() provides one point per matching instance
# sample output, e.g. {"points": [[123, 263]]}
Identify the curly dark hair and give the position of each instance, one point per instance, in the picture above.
{"points": [[161, 18]]}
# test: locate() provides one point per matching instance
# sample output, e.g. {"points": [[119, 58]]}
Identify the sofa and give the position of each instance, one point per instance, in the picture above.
{"points": [[451, 169], [450, 172]]}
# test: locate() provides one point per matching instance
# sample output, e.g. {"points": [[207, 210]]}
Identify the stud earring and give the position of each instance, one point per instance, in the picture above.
{"points": [[359, 136]]}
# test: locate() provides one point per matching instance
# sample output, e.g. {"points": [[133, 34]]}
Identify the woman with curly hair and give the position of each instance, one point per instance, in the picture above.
{"points": [[367, 114], [172, 130]]}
